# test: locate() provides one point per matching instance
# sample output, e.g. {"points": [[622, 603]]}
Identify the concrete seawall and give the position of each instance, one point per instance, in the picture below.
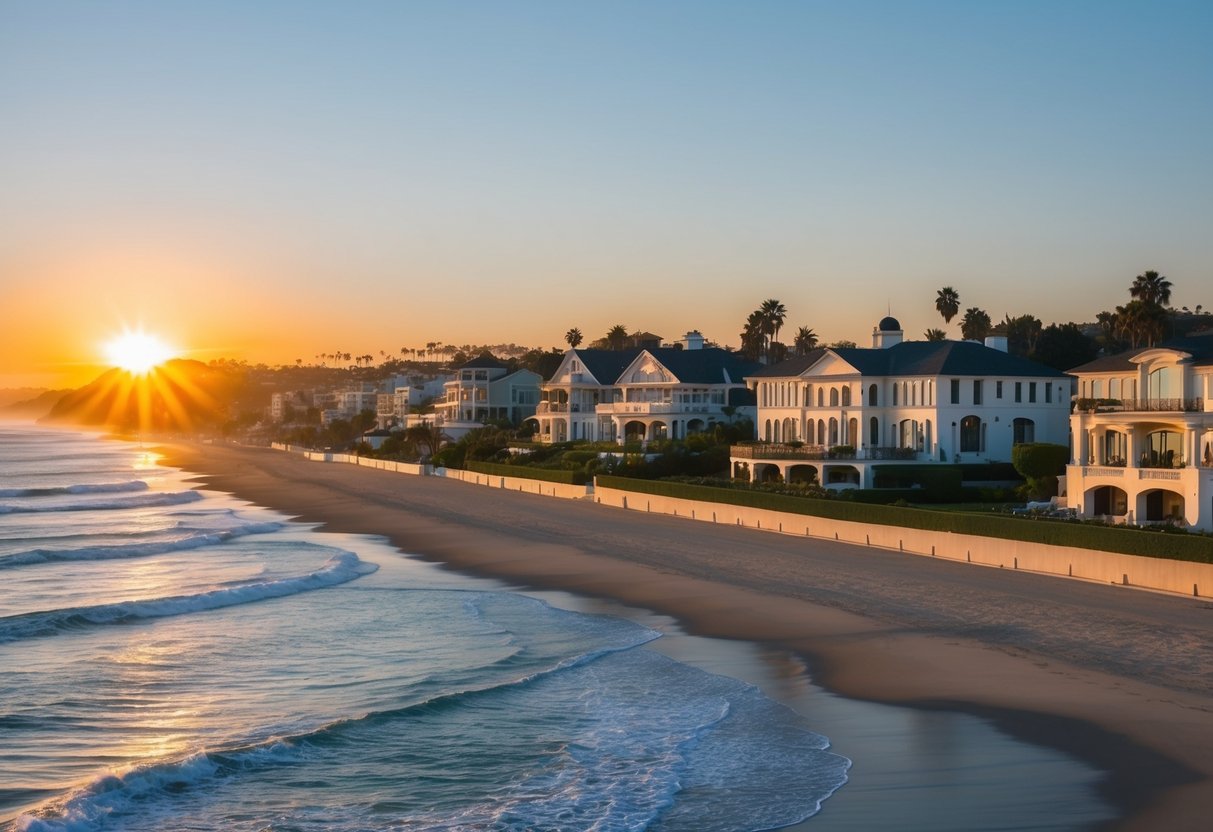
{"points": [[1158, 574]]}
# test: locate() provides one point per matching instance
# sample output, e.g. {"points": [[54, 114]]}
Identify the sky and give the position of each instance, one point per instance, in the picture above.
{"points": [[274, 180]]}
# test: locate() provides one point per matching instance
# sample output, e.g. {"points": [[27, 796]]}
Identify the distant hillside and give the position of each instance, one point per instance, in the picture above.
{"points": [[11, 395], [33, 408], [179, 395]]}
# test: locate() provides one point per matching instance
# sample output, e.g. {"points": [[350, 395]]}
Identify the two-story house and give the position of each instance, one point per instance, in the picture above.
{"points": [[484, 390], [643, 394], [1143, 436], [833, 413]]}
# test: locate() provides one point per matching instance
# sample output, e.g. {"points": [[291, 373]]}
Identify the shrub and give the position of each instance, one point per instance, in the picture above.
{"points": [[1040, 464], [528, 472]]}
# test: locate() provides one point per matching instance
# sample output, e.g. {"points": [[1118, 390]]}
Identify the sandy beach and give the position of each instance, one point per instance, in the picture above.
{"points": [[1121, 679]]}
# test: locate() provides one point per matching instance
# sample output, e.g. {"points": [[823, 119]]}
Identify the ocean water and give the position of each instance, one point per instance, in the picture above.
{"points": [[172, 658]]}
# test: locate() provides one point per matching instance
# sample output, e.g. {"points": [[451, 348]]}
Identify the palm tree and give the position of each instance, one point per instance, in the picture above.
{"points": [[773, 313], [935, 335], [617, 337], [1152, 288], [947, 303], [806, 340], [573, 337], [975, 325], [752, 338]]}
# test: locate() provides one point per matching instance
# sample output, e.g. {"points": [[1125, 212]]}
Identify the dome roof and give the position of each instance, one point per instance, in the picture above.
{"points": [[889, 324]]}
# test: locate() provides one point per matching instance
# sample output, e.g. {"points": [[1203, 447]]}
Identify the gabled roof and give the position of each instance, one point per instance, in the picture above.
{"points": [[484, 361], [1200, 347], [918, 358], [606, 365], [711, 365]]}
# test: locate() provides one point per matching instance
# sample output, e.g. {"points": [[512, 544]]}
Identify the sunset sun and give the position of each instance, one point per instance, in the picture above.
{"points": [[137, 352]]}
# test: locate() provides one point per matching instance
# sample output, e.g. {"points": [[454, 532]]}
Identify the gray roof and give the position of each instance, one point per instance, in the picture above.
{"points": [[920, 358], [1199, 346], [606, 365], [484, 361], [711, 365]]}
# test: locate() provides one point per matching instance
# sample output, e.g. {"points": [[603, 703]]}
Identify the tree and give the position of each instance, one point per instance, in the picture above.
{"points": [[805, 341], [753, 339], [975, 325], [1141, 323], [426, 438], [573, 337], [1152, 288], [773, 315], [1022, 334], [947, 303], [1064, 347], [935, 335], [1040, 464], [617, 337]]}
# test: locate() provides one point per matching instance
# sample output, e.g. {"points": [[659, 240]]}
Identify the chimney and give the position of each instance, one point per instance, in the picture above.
{"points": [[693, 340]]}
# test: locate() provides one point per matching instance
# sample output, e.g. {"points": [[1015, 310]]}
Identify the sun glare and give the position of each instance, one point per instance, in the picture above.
{"points": [[137, 352]]}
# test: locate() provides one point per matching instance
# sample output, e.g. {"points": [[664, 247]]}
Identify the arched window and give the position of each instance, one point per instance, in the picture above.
{"points": [[833, 431], [874, 431], [970, 435], [872, 397], [820, 395], [908, 436], [1164, 383], [1023, 430], [833, 397], [810, 435], [1164, 449], [846, 396], [853, 431], [766, 431], [1115, 448], [821, 432]]}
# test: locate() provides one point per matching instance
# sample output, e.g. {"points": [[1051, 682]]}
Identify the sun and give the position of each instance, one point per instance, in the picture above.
{"points": [[137, 352]]}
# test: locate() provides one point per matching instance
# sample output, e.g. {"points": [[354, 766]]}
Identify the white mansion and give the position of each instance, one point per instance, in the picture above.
{"points": [[834, 414], [644, 394], [1143, 435]]}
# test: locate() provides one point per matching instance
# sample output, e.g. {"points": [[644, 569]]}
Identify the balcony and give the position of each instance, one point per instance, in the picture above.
{"points": [[775, 450], [655, 408], [1196, 405]]}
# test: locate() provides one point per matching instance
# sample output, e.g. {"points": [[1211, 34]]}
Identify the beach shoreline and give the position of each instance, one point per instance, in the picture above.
{"points": [[878, 643]]}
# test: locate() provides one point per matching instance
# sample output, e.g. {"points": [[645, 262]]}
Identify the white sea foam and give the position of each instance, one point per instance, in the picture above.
{"points": [[166, 498], [136, 550], [339, 569], [81, 488]]}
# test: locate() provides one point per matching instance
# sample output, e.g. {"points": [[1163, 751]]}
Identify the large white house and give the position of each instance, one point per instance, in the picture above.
{"points": [[643, 394], [833, 414], [1143, 436]]}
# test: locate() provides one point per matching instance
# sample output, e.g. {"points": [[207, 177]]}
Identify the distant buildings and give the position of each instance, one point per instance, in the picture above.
{"points": [[837, 414], [1142, 429]]}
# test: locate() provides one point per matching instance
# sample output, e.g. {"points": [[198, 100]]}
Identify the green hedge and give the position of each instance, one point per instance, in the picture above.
{"points": [[529, 473], [1128, 541]]}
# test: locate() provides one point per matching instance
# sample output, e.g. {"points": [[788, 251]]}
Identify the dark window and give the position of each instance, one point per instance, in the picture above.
{"points": [[955, 391], [1019, 391], [1048, 392], [1032, 392], [977, 391], [970, 434], [1024, 431], [998, 389]]}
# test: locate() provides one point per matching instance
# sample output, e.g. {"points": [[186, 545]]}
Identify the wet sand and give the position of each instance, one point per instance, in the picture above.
{"points": [[1121, 679]]}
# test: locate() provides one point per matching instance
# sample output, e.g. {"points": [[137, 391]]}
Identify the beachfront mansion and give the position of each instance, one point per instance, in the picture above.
{"points": [[837, 414], [1143, 436], [643, 394]]}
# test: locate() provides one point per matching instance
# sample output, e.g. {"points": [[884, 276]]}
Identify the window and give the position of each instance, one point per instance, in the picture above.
{"points": [[846, 396], [955, 391], [970, 435], [873, 431], [998, 389], [833, 397], [1019, 391], [1024, 430], [1049, 392], [894, 394], [1032, 392], [872, 398], [976, 391]]}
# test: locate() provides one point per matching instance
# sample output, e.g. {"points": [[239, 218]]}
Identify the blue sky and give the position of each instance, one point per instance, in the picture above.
{"points": [[279, 179]]}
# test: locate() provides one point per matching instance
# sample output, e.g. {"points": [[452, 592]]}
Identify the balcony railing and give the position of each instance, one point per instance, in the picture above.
{"points": [[1195, 405], [776, 450], [656, 407]]}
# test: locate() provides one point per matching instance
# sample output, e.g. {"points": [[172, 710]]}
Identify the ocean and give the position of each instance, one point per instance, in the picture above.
{"points": [[176, 659]]}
